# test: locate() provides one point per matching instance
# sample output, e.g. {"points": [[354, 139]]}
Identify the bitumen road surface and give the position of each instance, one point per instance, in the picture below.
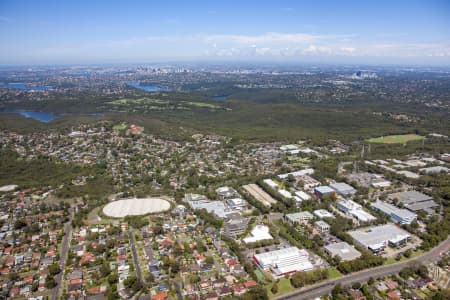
{"points": [[63, 257], [137, 267], [178, 289], [326, 287]]}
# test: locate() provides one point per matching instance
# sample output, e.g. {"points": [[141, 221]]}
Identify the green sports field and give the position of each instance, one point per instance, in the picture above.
{"points": [[120, 127], [396, 139]]}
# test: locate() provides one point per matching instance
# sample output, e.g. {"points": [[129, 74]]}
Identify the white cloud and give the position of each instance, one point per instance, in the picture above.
{"points": [[406, 49], [272, 37], [348, 50], [313, 49], [273, 45]]}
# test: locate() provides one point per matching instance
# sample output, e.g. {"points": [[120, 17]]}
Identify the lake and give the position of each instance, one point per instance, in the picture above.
{"points": [[220, 97], [41, 116], [147, 88], [24, 87]]}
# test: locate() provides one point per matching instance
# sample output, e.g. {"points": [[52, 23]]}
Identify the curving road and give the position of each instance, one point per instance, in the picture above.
{"points": [[324, 288]]}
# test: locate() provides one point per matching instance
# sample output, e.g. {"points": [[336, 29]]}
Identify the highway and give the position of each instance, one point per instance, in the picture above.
{"points": [[63, 257], [324, 288]]}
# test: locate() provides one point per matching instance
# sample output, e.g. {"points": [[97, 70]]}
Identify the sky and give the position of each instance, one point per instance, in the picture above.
{"points": [[341, 31]]}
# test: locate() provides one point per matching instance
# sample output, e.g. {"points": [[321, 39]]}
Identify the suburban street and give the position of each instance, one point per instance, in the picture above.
{"points": [[323, 288], [178, 288], [216, 263], [64, 251], [135, 257]]}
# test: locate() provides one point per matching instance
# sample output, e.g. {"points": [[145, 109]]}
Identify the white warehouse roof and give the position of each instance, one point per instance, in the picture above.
{"points": [[376, 237], [343, 250], [297, 173], [259, 233], [302, 195], [284, 261]]}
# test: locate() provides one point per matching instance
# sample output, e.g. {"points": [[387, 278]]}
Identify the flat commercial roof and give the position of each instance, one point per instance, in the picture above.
{"points": [[285, 193], [259, 194], [349, 204], [373, 237], [323, 213], [408, 174], [321, 223], [271, 183], [411, 196], [302, 195], [343, 250], [295, 217], [216, 207], [343, 188], [415, 201], [362, 215], [324, 189], [285, 261], [258, 233], [391, 209], [297, 173], [436, 169], [422, 205]]}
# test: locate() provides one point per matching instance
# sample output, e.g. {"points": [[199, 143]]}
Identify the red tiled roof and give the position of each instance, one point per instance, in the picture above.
{"points": [[160, 296], [250, 284], [232, 262], [393, 295], [238, 288]]}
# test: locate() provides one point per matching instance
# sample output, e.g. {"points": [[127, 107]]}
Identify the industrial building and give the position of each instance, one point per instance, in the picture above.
{"points": [[226, 192], [408, 174], [415, 201], [342, 250], [324, 190], [302, 195], [297, 173], [323, 213], [259, 233], [354, 209], [283, 262], [308, 182], [322, 226], [235, 224], [231, 198], [435, 170], [343, 189], [272, 184], [285, 193], [236, 203], [377, 238], [398, 215], [298, 217], [201, 202], [365, 179]]}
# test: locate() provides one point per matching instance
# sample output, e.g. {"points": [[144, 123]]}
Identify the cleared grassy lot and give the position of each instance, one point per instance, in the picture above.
{"points": [[333, 273], [396, 139], [284, 287]]}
